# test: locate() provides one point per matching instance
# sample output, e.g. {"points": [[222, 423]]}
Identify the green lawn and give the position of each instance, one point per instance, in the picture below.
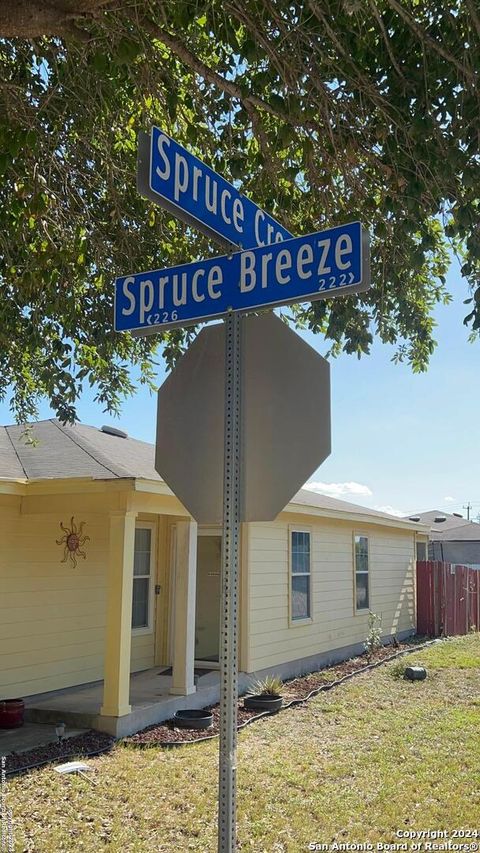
{"points": [[371, 757]]}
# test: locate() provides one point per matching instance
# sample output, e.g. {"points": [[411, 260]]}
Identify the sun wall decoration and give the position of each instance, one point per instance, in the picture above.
{"points": [[73, 542]]}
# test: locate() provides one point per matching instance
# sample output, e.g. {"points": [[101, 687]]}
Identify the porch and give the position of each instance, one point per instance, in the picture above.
{"points": [[90, 645], [124, 701], [151, 701]]}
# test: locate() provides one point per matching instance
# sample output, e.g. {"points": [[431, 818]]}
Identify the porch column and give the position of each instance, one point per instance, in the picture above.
{"points": [[184, 606], [116, 688]]}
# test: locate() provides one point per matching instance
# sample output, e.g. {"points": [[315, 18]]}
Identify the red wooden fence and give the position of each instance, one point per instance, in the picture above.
{"points": [[448, 599]]}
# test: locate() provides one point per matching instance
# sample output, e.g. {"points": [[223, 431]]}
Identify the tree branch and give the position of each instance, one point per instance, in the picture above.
{"points": [[207, 73], [29, 19], [475, 16], [426, 39], [386, 39]]}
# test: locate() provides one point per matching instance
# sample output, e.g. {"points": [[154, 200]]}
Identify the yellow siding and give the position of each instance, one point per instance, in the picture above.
{"points": [[53, 616], [143, 644], [143, 651], [334, 624]]}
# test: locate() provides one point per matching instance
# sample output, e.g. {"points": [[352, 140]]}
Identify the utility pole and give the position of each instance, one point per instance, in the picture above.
{"points": [[468, 507]]}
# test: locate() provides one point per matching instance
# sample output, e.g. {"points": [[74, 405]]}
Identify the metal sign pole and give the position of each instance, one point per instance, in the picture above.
{"points": [[229, 593]]}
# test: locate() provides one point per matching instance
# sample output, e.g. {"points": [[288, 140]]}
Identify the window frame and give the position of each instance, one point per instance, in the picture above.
{"points": [[147, 629], [362, 610], [305, 620]]}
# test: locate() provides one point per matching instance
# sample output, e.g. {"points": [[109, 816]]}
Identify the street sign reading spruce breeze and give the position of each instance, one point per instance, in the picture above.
{"points": [[304, 268]]}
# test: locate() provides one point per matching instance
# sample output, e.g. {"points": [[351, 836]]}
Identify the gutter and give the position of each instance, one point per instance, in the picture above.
{"points": [[360, 517]]}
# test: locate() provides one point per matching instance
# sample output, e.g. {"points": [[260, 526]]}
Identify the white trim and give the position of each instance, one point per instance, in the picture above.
{"points": [[172, 556], [148, 629], [360, 611], [356, 517], [214, 530], [307, 620], [200, 663], [184, 631]]}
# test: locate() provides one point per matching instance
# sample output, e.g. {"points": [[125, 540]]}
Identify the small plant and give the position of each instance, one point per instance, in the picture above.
{"points": [[374, 635], [397, 669], [271, 685]]}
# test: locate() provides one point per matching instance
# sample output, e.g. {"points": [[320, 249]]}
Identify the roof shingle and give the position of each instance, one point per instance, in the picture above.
{"points": [[455, 528], [66, 451], [62, 452]]}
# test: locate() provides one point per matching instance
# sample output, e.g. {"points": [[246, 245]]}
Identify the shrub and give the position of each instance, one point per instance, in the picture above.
{"points": [[271, 685], [397, 669], [374, 635]]}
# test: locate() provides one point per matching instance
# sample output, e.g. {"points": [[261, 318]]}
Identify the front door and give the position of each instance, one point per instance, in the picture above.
{"points": [[207, 620]]}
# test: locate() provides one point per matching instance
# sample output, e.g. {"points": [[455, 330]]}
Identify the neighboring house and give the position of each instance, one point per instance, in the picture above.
{"points": [[103, 573], [453, 539]]}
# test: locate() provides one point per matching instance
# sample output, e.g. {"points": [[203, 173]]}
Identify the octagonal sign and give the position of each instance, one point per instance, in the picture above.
{"points": [[285, 420]]}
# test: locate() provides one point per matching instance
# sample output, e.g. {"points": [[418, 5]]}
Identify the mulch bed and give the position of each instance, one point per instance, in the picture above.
{"points": [[79, 745], [167, 733], [299, 688]]}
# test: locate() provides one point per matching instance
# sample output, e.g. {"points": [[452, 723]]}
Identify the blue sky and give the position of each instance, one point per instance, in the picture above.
{"points": [[400, 442]]}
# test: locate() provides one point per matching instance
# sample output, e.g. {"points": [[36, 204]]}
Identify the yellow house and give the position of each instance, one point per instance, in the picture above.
{"points": [[109, 591]]}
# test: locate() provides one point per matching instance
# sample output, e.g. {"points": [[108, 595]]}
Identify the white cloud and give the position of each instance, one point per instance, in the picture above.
{"points": [[391, 510], [449, 499], [339, 490]]}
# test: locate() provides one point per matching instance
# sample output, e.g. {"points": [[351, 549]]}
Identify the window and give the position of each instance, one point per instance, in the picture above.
{"points": [[361, 573], [300, 575], [142, 578]]}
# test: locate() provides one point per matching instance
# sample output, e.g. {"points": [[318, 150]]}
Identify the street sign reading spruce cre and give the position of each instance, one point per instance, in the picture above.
{"points": [[302, 268], [171, 176]]}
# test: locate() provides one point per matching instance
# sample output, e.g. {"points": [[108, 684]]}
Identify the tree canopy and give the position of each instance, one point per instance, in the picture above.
{"points": [[323, 111]]}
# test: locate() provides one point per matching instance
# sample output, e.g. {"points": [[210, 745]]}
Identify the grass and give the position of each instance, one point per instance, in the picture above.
{"points": [[371, 757]]}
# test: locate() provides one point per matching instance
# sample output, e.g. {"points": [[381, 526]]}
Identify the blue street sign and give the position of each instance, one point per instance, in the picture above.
{"points": [[325, 264], [195, 193]]}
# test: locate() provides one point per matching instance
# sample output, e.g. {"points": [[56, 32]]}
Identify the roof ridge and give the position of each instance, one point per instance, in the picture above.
{"points": [[6, 428], [343, 505], [83, 445]]}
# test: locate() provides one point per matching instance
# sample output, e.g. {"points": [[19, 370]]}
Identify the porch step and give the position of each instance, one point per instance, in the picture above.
{"points": [[51, 715], [150, 713]]}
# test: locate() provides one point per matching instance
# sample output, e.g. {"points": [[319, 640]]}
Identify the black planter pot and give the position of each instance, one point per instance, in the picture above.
{"points": [[193, 719], [415, 673], [263, 702]]}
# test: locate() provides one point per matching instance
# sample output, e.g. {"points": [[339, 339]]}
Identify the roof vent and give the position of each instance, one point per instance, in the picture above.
{"points": [[439, 518], [109, 430], [457, 514], [414, 518]]}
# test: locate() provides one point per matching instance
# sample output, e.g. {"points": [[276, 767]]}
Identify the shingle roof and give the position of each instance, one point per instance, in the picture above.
{"points": [[310, 498], [73, 451], [453, 529], [469, 531], [63, 452], [10, 466]]}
